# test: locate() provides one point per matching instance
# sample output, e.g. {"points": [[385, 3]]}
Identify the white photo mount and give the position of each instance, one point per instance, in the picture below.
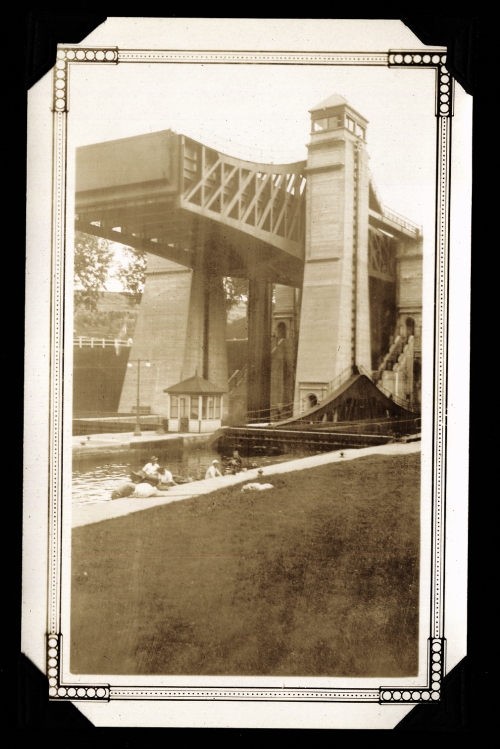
{"points": [[427, 691]]}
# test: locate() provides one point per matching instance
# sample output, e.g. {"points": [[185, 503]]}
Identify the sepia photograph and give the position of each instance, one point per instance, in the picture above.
{"points": [[246, 451]]}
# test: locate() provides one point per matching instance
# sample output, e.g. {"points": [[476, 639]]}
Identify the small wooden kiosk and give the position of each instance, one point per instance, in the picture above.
{"points": [[195, 405]]}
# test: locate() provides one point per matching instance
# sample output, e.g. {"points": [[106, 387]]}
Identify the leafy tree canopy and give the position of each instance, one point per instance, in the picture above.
{"points": [[133, 275], [95, 265], [93, 260], [236, 291]]}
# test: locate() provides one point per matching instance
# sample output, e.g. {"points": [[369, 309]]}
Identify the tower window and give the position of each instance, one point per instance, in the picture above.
{"points": [[359, 131], [326, 123], [320, 124], [353, 126]]}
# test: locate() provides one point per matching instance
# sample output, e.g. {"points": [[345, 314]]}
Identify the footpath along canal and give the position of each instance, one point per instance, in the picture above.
{"points": [[89, 511], [95, 477]]}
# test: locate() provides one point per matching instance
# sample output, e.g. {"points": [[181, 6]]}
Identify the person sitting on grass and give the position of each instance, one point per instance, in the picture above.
{"points": [[213, 471], [166, 478], [236, 463], [152, 467], [140, 476]]}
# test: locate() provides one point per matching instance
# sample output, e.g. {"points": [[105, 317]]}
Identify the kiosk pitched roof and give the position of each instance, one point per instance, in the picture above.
{"points": [[195, 385]]}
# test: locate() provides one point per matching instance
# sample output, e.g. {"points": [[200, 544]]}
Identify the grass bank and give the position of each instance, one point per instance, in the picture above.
{"points": [[318, 577]]}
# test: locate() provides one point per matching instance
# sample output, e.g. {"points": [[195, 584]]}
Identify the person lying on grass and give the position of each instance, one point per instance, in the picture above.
{"points": [[124, 490], [144, 489], [138, 490]]}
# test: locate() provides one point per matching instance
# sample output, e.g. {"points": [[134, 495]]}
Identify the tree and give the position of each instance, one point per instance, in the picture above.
{"points": [[96, 263], [133, 274], [236, 291], [93, 259]]}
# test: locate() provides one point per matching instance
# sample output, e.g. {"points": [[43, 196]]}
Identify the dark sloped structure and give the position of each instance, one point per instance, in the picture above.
{"points": [[358, 399]]}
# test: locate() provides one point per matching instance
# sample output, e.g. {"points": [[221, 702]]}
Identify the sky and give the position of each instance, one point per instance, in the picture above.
{"points": [[261, 113]]}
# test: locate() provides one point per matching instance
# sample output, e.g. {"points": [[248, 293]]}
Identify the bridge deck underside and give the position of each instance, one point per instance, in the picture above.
{"points": [[160, 226], [249, 217]]}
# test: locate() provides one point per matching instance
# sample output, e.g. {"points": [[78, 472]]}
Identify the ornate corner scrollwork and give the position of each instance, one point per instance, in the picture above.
{"points": [[444, 88], [432, 691], [65, 56], [58, 690]]}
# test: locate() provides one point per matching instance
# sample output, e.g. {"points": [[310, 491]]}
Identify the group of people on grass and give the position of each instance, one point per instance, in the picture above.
{"points": [[153, 479]]}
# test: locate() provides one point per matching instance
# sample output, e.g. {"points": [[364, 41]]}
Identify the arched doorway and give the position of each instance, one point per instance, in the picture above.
{"points": [[312, 400], [410, 326]]}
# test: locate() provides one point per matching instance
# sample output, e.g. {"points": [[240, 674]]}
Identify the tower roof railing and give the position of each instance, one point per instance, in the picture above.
{"points": [[394, 216], [397, 218]]}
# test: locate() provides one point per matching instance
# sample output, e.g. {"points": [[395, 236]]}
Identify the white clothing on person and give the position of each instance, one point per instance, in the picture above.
{"points": [[151, 468], [145, 490], [166, 477], [212, 472]]}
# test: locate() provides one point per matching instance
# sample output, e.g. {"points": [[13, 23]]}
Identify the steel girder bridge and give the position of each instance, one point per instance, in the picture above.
{"points": [[171, 196]]}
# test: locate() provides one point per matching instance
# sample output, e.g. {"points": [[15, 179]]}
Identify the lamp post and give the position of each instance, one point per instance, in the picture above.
{"points": [[137, 431]]}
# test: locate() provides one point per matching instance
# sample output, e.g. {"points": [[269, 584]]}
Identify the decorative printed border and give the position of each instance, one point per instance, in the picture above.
{"points": [[428, 693], [57, 690], [436, 652], [444, 84]]}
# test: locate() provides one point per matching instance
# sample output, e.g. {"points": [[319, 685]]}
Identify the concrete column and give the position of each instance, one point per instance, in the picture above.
{"points": [[284, 356], [362, 292], [215, 345], [181, 329], [193, 359], [335, 316], [259, 348], [160, 335], [409, 286], [206, 349]]}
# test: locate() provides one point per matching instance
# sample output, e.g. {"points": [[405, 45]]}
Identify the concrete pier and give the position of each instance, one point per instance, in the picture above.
{"points": [[181, 329], [335, 317], [259, 348]]}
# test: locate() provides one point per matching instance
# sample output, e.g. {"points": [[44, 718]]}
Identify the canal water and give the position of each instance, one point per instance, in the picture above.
{"points": [[95, 478]]}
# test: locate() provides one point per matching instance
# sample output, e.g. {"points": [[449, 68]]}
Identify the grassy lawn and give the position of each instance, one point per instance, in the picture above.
{"points": [[317, 577]]}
